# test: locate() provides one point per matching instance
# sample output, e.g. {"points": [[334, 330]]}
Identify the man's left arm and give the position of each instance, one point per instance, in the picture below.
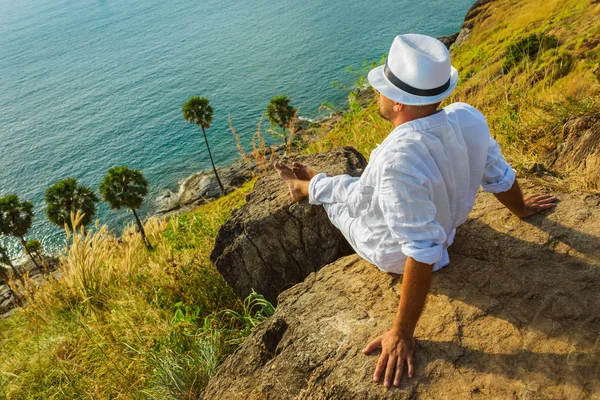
{"points": [[398, 344]]}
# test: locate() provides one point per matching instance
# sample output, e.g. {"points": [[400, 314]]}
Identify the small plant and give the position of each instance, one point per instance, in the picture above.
{"points": [[67, 196], [260, 158], [35, 247], [197, 110], [528, 47], [125, 187], [16, 217], [280, 113]]}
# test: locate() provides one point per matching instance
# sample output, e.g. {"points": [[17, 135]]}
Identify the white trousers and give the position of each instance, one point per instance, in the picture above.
{"points": [[332, 193]]}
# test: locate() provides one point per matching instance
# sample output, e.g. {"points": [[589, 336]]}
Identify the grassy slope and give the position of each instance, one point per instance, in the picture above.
{"points": [[125, 323], [525, 106]]}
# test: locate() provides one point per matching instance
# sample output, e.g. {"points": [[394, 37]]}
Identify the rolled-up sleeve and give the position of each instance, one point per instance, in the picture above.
{"points": [[498, 175], [409, 212]]}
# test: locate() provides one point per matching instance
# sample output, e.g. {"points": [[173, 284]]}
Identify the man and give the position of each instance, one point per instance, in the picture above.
{"points": [[420, 184]]}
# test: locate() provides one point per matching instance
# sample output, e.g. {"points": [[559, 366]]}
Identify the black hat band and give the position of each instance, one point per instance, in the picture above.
{"points": [[411, 89]]}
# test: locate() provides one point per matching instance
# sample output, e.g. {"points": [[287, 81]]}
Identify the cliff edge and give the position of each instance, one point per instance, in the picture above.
{"points": [[515, 315]]}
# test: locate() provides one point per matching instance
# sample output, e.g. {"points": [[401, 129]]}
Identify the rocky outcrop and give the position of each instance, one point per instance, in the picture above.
{"points": [[271, 243], [578, 148], [515, 315], [479, 8], [448, 40]]}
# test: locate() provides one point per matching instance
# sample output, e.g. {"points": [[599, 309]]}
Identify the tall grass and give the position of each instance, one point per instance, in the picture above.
{"points": [[126, 323]]}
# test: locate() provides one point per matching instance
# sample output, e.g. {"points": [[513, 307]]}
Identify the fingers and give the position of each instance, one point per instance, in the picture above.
{"points": [[389, 371], [375, 344], [381, 363], [297, 164], [411, 366], [541, 198], [539, 202], [399, 367]]}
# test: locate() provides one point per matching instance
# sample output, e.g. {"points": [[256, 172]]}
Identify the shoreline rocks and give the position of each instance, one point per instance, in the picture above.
{"points": [[26, 267]]}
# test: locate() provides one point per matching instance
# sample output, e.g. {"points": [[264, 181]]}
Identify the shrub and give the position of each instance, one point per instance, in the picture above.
{"points": [[529, 46]]}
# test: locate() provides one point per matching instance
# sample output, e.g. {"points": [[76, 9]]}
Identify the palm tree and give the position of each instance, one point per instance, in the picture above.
{"points": [[280, 113], [197, 110], [5, 259], [4, 278], [16, 219], [67, 196], [125, 187]]}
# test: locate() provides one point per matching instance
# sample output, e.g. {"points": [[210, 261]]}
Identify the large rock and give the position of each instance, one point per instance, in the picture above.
{"points": [[578, 148], [515, 315], [271, 243]]}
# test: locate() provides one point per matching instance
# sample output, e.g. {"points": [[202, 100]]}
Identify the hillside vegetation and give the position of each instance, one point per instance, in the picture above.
{"points": [[124, 322]]}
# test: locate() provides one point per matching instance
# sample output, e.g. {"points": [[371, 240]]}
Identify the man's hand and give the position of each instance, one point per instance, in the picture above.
{"points": [[398, 344], [524, 207], [395, 351], [536, 203]]}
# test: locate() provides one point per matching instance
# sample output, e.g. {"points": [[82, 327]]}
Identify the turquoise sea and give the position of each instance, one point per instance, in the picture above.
{"points": [[89, 84]]}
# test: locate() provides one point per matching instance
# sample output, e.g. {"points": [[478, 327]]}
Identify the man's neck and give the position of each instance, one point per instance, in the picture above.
{"points": [[403, 118]]}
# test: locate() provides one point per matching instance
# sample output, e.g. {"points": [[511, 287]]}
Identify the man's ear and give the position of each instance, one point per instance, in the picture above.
{"points": [[398, 107]]}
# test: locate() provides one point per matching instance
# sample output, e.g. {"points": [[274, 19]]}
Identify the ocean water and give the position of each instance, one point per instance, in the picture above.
{"points": [[89, 84]]}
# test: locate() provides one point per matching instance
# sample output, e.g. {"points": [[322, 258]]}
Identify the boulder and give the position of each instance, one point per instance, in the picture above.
{"points": [[448, 40], [515, 315], [271, 243]]}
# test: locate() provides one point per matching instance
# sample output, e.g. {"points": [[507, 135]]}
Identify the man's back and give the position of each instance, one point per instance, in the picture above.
{"points": [[421, 184]]}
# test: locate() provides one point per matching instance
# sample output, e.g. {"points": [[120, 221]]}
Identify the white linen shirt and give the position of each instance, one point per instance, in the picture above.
{"points": [[419, 186]]}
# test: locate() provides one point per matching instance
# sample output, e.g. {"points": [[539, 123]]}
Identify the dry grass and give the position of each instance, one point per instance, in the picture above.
{"points": [[260, 157], [123, 322]]}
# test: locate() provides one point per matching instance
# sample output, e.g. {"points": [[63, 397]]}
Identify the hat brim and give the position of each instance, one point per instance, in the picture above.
{"points": [[378, 80]]}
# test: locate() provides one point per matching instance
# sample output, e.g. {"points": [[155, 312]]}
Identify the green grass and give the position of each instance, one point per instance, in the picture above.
{"points": [[127, 323]]}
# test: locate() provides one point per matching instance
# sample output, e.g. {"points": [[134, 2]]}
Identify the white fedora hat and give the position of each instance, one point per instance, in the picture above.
{"points": [[416, 72]]}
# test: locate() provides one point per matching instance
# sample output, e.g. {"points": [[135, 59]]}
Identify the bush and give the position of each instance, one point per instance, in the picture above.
{"points": [[529, 47], [558, 66]]}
